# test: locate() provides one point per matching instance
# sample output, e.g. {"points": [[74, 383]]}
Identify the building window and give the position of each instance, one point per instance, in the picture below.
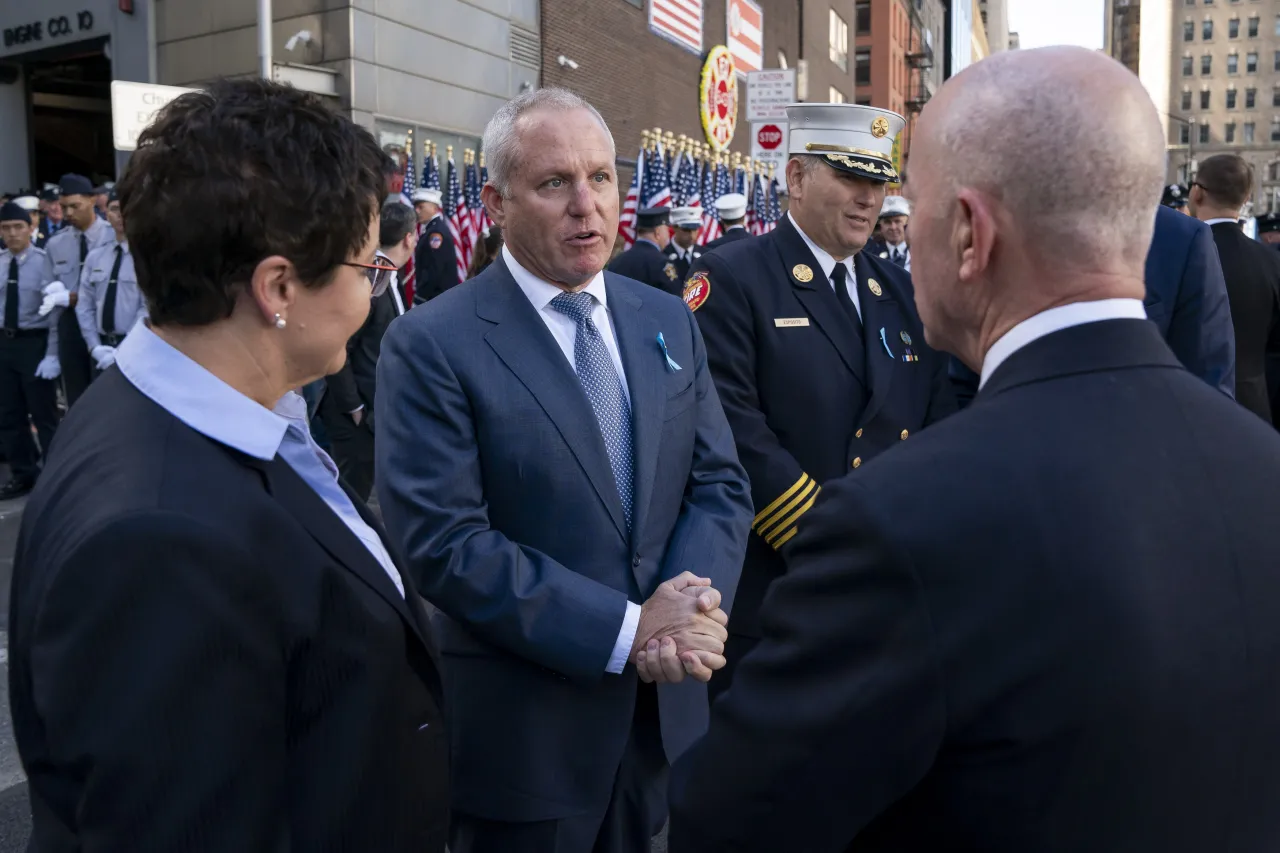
{"points": [[1248, 133], [1188, 30], [1229, 135], [1231, 99], [862, 71], [1189, 3], [1251, 62], [1276, 61], [1250, 98], [1275, 97], [1204, 99], [862, 19], [1253, 27], [1184, 134], [1204, 134], [1273, 172], [1275, 130], [1278, 25], [1206, 30], [1233, 64], [1206, 65], [1233, 28], [839, 41], [835, 96], [1186, 101]]}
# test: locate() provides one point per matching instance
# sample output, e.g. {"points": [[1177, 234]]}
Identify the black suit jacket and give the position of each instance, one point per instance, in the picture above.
{"points": [[357, 382], [204, 658], [435, 261], [734, 234], [646, 262], [806, 402], [1024, 631], [1253, 287]]}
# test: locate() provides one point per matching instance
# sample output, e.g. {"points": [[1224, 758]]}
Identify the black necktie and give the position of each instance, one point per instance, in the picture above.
{"points": [[84, 247], [839, 280], [109, 303], [11, 298], [900, 257]]}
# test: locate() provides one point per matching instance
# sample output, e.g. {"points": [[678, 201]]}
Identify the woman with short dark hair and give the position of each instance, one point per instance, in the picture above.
{"points": [[211, 646]]}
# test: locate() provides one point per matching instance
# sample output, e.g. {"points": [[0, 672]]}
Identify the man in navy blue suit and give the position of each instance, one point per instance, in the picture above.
{"points": [[1186, 297], [1047, 623], [554, 462]]}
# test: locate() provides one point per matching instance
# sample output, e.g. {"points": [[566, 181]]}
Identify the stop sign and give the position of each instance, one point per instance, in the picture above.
{"points": [[769, 137]]}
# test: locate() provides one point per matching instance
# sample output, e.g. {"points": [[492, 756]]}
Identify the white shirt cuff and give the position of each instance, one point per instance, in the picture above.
{"points": [[626, 639]]}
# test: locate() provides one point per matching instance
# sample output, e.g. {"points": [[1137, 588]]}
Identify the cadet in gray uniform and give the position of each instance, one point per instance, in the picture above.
{"points": [[28, 351], [110, 302], [82, 232]]}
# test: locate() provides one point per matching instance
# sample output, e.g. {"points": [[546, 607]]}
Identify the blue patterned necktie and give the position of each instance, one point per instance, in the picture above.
{"points": [[599, 378]]}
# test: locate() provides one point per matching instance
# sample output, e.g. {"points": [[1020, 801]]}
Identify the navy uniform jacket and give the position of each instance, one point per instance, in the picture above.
{"points": [[1047, 625], [805, 403], [682, 262], [435, 261], [735, 233], [493, 476], [646, 262], [1186, 299]]}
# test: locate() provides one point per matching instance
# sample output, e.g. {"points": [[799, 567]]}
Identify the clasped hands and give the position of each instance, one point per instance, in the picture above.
{"points": [[681, 631]]}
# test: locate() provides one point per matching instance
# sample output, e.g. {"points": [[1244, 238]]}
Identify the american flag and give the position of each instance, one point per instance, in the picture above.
{"points": [[710, 192], [656, 189], [410, 175], [485, 221], [458, 217], [678, 20], [475, 210], [627, 221], [687, 188], [775, 205], [430, 171]]}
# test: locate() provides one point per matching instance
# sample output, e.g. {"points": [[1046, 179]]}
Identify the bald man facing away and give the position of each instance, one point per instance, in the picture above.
{"points": [[1046, 624]]}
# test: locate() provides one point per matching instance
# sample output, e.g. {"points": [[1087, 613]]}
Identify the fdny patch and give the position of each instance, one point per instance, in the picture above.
{"points": [[436, 241], [670, 270], [696, 290]]}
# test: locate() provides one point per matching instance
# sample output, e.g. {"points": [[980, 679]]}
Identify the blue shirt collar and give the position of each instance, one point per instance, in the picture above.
{"points": [[196, 397]]}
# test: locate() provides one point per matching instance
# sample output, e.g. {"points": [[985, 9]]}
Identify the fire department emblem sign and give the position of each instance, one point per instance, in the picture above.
{"points": [[718, 98]]}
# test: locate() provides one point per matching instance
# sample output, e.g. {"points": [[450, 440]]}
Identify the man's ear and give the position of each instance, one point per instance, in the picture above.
{"points": [[495, 204]]}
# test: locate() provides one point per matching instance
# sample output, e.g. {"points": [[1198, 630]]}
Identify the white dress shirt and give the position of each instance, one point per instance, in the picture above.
{"points": [[1055, 320], [828, 265], [904, 250], [1213, 222], [565, 330]]}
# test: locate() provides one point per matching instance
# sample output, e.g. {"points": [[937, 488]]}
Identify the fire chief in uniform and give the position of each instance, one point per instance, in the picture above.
{"points": [[816, 348]]}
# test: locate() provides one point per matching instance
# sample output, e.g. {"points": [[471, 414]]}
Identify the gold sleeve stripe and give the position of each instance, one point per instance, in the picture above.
{"points": [[774, 522], [772, 539], [767, 511], [777, 546]]}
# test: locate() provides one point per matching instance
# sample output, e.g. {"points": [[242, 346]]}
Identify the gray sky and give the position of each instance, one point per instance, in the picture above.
{"points": [[1044, 22]]}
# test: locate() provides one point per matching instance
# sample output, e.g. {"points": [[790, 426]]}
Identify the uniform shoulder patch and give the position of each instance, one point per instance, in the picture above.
{"points": [[670, 270], [436, 241], [696, 290]]}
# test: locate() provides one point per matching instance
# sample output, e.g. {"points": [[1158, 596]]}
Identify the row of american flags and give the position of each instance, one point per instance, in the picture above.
{"points": [[460, 203], [680, 172]]}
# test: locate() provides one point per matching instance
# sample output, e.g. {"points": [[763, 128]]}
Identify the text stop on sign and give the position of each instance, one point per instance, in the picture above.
{"points": [[769, 137]]}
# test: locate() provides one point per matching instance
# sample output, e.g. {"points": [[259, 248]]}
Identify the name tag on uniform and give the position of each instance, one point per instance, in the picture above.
{"points": [[790, 322]]}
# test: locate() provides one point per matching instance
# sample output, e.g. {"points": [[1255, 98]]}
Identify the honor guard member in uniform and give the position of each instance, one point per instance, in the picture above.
{"points": [[683, 249], [1175, 196], [435, 261], [816, 349], [647, 261], [893, 231], [1269, 229], [82, 232], [31, 205], [110, 302], [50, 212], [731, 208], [28, 351]]}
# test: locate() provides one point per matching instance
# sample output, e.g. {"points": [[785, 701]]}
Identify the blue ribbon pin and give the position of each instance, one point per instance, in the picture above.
{"points": [[671, 365], [884, 341]]}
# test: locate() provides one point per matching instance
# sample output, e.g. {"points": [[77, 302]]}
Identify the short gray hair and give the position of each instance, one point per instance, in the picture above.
{"points": [[501, 134]]}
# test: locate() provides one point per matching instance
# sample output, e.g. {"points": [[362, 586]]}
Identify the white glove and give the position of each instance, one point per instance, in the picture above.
{"points": [[104, 355], [49, 368], [55, 294]]}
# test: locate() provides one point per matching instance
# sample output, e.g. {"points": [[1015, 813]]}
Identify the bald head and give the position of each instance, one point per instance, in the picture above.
{"points": [[1048, 165]]}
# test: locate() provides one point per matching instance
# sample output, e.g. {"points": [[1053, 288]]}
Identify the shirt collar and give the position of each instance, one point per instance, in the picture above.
{"points": [[650, 242], [540, 293], [824, 260], [1055, 320], [896, 247], [196, 397], [1220, 220]]}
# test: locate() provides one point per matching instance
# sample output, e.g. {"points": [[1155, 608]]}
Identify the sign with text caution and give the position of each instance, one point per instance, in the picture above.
{"points": [[134, 106]]}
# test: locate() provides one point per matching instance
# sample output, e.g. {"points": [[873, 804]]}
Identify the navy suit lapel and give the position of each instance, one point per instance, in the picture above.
{"points": [[523, 342], [881, 323], [643, 363]]}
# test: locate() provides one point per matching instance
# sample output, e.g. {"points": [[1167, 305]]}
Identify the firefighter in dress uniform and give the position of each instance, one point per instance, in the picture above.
{"points": [[435, 261], [815, 347], [646, 260], [683, 249], [731, 208]]}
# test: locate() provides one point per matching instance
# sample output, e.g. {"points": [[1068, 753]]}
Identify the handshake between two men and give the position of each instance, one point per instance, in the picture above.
{"points": [[682, 631]]}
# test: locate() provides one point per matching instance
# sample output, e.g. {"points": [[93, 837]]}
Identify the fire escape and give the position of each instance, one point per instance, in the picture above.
{"points": [[919, 63]]}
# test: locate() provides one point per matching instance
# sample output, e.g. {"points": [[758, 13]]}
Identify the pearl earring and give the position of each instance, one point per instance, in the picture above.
{"points": [[280, 323]]}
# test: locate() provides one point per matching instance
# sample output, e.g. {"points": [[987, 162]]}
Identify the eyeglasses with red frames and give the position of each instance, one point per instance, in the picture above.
{"points": [[378, 273]]}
